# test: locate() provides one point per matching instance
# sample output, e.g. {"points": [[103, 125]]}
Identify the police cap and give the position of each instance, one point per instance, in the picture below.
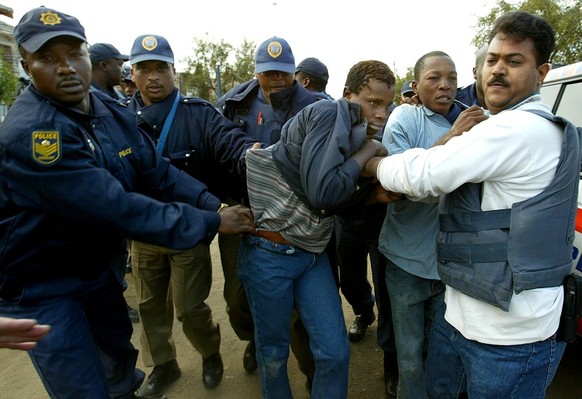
{"points": [[42, 24]]}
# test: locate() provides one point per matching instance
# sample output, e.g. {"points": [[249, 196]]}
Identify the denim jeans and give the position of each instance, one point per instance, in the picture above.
{"points": [[357, 238], [88, 352], [415, 301], [488, 371], [276, 277]]}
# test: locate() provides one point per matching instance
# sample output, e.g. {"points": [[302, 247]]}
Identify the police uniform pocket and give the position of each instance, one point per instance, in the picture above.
{"points": [[187, 161]]}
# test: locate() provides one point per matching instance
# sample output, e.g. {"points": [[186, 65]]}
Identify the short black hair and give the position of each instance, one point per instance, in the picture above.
{"points": [[420, 63], [521, 25], [361, 73]]}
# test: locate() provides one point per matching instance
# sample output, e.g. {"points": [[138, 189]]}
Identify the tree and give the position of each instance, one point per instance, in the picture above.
{"points": [[236, 65], [8, 83], [565, 16]]}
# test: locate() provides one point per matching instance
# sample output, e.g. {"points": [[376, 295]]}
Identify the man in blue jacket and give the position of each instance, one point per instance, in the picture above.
{"points": [[295, 186], [76, 177], [198, 139]]}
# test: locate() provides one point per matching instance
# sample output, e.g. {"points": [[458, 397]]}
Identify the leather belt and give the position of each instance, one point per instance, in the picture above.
{"points": [[274, 236]]}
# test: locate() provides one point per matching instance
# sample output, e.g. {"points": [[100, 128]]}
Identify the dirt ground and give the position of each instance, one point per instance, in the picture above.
{"points": [[18, 380]]}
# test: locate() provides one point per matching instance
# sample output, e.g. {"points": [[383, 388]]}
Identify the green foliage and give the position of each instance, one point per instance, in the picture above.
{"points": [[8, 83], [236, 66], [565, 16]]}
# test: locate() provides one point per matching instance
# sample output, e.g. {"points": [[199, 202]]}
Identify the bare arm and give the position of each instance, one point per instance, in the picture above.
{"points": [[372, 148], [372, 166]]}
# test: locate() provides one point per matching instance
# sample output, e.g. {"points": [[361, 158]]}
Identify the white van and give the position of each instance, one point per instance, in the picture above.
{"points": [[562, 92]]}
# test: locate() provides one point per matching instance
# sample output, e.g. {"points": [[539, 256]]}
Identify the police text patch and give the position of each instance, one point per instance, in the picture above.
{"points": [[46, 146]]}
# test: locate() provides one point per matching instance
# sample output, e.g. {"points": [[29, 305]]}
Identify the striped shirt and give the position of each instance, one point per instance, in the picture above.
{"points": [[276, 208]]}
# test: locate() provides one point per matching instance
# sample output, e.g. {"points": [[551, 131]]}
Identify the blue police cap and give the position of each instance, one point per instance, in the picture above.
{"points": [[407, 87], [313, 67], [126, 73], [274, 54], [104, 51], [42, 24], [151, 48]]}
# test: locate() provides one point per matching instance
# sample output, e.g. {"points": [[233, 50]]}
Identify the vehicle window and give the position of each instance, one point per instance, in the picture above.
{"points": [[569, 106], [549, 95]]}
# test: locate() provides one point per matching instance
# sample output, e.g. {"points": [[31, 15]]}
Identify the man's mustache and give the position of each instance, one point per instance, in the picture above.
{"points": [[498, 79]]}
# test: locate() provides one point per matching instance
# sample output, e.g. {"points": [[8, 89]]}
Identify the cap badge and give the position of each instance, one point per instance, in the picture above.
{"points": [[274, 49], [50, 18], [149, 43]]}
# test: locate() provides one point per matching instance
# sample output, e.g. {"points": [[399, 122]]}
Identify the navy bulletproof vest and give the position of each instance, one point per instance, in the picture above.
{"points": [[490, 254]]}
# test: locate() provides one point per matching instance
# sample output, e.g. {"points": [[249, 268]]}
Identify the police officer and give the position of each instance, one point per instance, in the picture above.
{"points": [[77, 176], [312, 74], [127, 85], [106, 64], [261, 107], [107, 67], [198, 139]]}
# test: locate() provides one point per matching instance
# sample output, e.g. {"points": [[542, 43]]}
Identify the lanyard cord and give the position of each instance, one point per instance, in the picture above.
{"points": [[168, 124]]}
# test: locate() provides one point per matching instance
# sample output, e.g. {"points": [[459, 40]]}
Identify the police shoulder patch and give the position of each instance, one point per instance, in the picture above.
{"points": [[46, 146]]}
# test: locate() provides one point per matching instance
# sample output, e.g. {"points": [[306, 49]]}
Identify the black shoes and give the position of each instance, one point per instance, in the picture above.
{"points": [[390, 374], [212, 371], [162, 376], [391, 384], [359, 326], [250, 357]]}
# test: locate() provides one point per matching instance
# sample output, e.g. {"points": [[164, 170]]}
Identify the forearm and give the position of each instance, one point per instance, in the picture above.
{"points": [[371, 167]]}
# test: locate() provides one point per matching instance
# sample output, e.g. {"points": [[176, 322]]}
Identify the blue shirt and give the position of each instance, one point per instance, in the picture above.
{"points": [[408, 235]]}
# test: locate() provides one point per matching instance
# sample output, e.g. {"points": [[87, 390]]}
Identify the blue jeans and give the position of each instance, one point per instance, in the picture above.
{"points": [[488, 371], [357, 236], [88, 352], [277, 277], [414, 301]]}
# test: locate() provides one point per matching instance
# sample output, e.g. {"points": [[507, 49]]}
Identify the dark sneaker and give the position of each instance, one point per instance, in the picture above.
{"points": [[250, 357], [359, 326], [160, 378]]}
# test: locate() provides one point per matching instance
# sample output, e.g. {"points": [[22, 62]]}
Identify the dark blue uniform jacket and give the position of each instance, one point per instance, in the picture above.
{"points": [[201, 140], [73, 184], [286, 103]]}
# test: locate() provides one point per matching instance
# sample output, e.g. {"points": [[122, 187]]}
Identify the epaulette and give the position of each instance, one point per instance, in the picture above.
{"points": [[198, 101]]}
